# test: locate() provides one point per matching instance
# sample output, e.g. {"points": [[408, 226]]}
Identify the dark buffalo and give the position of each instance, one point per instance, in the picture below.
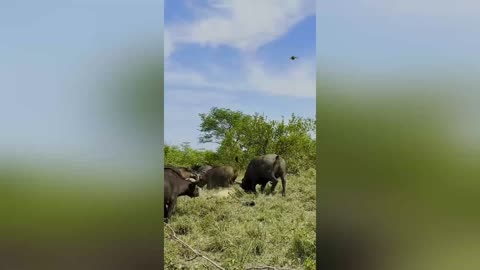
{"points": [[264, 169], [176, 185], [184, 171], [201, 169], [217, 177]]}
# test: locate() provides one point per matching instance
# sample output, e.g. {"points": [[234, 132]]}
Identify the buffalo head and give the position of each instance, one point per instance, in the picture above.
{"points": [[193, 189]]}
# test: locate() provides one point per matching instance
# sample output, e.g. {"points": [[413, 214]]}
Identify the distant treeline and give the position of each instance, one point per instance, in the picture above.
{"points": [[247, 136]]}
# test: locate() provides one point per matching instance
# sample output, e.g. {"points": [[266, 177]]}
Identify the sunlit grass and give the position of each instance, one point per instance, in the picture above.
{"points": [[278, 231]]}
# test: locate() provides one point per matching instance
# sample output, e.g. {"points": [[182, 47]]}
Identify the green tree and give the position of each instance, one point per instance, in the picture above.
{"points": [[293, 141], [257, 135], [247, 136], [217, 123]]}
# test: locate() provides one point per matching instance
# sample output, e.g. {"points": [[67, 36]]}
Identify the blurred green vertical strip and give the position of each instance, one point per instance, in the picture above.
{"points": [[398, 149], [162, 125], [394, 177], [92, 199], [318, 137]]}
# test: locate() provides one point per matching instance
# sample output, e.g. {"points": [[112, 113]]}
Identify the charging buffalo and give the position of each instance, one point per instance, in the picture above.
{"points": [[264, 169]]}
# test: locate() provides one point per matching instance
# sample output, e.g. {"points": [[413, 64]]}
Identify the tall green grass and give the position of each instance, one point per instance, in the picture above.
{"points": [[278, 231]]}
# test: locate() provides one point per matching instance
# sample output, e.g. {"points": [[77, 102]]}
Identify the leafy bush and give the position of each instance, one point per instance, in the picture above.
{"points": [[186, 156], [247, 136]]}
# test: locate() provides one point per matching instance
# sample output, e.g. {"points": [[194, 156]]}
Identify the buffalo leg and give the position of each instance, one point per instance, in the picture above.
{"points": [[274, 184], [171, 208], [284, 184], [254, 189]]}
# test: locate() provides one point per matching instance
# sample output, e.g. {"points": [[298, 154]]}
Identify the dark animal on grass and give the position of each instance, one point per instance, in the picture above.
{"points": [[219, 177], [201, 170], [176, 185], [264, 169], [185, 172]]}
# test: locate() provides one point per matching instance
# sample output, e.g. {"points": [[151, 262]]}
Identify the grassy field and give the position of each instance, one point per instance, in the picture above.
{"points": [[278, 231]]}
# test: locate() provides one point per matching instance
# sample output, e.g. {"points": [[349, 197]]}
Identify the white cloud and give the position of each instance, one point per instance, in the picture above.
{"points": [[242, 24], [298, 81], [198, 100], [246, 26], [194, 79]]}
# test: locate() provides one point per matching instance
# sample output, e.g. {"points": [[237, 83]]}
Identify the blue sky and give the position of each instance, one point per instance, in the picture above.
{"points": [[235, 55]]}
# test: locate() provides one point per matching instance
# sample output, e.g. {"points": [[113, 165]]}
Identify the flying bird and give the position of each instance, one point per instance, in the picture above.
{"points": [[293, 57]]}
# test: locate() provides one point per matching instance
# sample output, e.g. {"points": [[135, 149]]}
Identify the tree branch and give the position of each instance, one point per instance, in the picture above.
{"points": [[198, 254], [266, 267]]}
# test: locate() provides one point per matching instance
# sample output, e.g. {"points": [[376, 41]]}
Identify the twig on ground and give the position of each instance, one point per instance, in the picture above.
{"points": [[191, 259], [266, 267], [198, 254]]}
